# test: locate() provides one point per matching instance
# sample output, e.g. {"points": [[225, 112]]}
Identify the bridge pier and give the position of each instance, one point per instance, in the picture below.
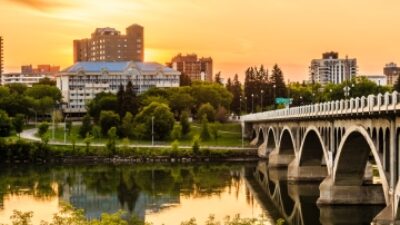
{"points": [[331, 194], [306, 173], [279, 160]]}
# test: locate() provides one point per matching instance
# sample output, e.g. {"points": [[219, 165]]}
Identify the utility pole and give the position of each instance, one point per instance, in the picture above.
{"points": [[152, 130]]}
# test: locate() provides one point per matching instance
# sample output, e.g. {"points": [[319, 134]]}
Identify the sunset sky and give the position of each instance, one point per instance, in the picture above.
{"points": [[236, 34]]}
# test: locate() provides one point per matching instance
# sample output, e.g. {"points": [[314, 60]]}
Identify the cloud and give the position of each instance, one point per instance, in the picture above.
{"points": [[41, 5]]}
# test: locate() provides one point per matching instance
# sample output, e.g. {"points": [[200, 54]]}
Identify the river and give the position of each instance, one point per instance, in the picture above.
{"points": [[169, 193]]}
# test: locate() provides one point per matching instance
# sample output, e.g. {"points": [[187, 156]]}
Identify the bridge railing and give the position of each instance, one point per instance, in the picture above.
{"points": [[380, 103]]}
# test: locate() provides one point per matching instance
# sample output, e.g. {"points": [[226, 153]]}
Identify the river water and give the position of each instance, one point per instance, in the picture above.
{"points": [[170, 193]]}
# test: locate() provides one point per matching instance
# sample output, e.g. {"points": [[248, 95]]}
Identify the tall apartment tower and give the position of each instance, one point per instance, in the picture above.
{"points": [[195, 68], [1, 56], [108, 44], [331, 69], [392, 72]]}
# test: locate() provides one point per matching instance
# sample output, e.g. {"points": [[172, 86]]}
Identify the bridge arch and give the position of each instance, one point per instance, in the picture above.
{"points": [[352, 174], [286, 142], [270, 140], [312, 150], [260, 136]]}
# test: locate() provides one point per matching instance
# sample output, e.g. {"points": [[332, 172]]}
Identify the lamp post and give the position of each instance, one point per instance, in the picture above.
{"points": [[301, 100], [273, 100], [346, 91], [252, 103], [330, 95], [262, 94], [152, 130], [245, 104], [65, 128]]}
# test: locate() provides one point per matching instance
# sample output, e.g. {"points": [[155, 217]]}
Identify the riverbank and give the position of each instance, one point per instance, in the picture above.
{"points": [[22, 151]]}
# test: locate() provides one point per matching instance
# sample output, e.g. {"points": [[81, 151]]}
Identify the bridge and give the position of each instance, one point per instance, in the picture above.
{"points": [[351, 146]]}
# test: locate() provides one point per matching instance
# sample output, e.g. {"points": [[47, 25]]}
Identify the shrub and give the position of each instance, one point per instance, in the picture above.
{"points": [[86, 126], [205, 133], [221, 115], [108, 119], [208, 110], [184, 122], [111, 142], [196, 145], [176, 132]]}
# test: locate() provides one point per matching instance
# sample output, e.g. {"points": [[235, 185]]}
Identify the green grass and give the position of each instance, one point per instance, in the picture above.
{"points": [[229, 135]]}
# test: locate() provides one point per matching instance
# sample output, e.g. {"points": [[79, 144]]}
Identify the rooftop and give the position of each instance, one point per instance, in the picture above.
{"points": [[116, 66]]}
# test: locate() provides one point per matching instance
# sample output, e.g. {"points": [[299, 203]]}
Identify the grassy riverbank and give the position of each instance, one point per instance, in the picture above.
{"points": [[24, 151], [229, 135]]}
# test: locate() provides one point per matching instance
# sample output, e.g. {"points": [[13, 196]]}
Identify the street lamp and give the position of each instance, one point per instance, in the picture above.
{"points": [[346, 91], [152, 130], [273, 100], [252, 103], [240, 105], [330, 95], [262, 93], [245, 104], [301, 100]]}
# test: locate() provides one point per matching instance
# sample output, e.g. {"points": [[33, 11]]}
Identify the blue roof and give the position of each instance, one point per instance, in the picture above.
{"points": [[115, 66]]}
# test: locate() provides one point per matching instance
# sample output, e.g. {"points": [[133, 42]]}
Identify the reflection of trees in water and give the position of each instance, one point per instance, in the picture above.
{"points": [[160, 183]]}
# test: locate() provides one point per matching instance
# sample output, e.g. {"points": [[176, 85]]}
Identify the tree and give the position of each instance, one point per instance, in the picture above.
{"points": [[86, 126], [120, 100], [163, 120], [127, 129], [184, 121], [5, 124], [278, 82], [108, 119], [181, 100], [208, 110], [205, 132], [47, 81], [40, 91], [218, 78], [111, 141], [102, 102], [56, 117], [130, 101], [176, 133], [214, 131], [185, 80], [19, 123], [221, 115], [236, 91], [196, 145], [88, 140], [43, 128], [68, 126]]}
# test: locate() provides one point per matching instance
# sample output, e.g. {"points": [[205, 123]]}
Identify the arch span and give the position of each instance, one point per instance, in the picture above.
{"points": [[312, 150], [287, 143], [271, 140], [356, 147], [260, 136]]}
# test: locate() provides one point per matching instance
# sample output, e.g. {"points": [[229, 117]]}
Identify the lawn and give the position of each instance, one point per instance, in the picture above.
{"points": [[229, 135]]}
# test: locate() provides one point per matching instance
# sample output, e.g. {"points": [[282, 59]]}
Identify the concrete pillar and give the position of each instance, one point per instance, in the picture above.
{"points": [[393, 176]]}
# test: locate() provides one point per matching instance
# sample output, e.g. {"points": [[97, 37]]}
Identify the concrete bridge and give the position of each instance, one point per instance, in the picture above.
{"points": [[351, 146]]}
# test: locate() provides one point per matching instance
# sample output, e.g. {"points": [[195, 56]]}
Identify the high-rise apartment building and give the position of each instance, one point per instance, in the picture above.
{"points": [[331, 69], [108, 44], [195, 68], [1, 56], [44, 69], [392, 72]]}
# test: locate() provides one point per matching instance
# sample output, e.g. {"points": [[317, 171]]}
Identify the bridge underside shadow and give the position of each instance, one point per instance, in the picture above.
{"points": [[347, 184], [310, 164], [284, 154]]}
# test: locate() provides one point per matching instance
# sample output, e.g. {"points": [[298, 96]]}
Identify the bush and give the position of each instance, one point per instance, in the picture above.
{"points": [[196, 145], [184, 122], [86, 126], [19, 122], [111, 142], [176, 132], [208, 110], [221, 115], [43, 128], [204, 133], [175, 149]]}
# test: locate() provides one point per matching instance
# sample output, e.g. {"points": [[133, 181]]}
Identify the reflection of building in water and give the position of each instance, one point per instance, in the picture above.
{"points": [[94, 203]]}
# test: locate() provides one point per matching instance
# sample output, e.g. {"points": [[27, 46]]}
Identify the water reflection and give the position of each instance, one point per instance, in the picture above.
{"points": [[296, 202], [158, 193]]}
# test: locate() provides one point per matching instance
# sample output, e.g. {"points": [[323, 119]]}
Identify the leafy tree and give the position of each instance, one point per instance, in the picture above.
{"points": [[108, 119], [176, 133], [184, 121], [205, 132], [43, 128], [218, 78], [46, 81], [181, 100], [19, 123], [86, 126], [127, 125], [397, 85], [163, 120], [215, 94], [111, 141], [102, 102], [207, 110], [17, 88], [214, 131], [185, 80], [5, 124], [130, 101], [120, 100], [96, 131], [40, 91]]}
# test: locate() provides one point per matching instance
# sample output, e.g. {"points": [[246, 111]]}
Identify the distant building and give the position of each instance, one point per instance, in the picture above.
{"points": [[108, 44], [392, 72], [40, 70], [27, 79], [195, 68], [1, 56], [378, 79], [331, 69], [82, 81]]}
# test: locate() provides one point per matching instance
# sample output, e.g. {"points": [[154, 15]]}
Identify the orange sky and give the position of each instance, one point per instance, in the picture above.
{"points": [[235, 33]]}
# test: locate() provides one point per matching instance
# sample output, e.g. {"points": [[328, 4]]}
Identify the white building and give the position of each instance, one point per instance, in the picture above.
{"points": [[331, 69], [29, 80], [81, 82], [378, 79]]}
